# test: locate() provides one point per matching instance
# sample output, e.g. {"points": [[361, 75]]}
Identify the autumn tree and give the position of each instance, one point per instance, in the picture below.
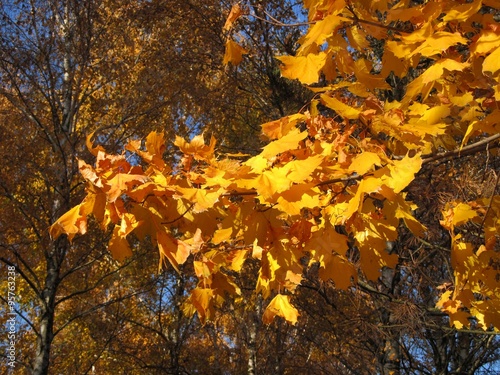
{"points": [[70, 69], [383, 191]]}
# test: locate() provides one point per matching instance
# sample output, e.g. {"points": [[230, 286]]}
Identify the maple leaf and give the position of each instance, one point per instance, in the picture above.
{"points": [[118, 245], [234, 53], [203, 301], [278, 128], [320, 31], [235, 13], [492, 62], [462, 12], [304, 68], [175, 251], [70, 223], [280, 306], [289, 141], [342, 109], [196, 147], [364, 162]]}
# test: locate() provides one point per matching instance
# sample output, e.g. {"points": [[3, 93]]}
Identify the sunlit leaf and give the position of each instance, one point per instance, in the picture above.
{"points": [[280, 306]]}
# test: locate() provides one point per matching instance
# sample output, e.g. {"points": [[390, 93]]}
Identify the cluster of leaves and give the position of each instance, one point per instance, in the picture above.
{"points": [[328, 190]]}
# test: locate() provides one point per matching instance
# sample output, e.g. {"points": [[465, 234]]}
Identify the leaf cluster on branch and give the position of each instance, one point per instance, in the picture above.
{"points": [[398, 86]]}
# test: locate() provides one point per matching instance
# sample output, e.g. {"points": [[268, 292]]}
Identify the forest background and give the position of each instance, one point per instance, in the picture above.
{"points": [[354, 232]]}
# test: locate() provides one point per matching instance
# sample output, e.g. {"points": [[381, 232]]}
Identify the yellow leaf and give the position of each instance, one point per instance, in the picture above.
{"points": [[298, 171], [222, 284], [325, 241], [460, 319], [128, 224], [424, 82], [443, 300], [403, 210], [293, 200], [257, 163], [202, 199], [462, 213], [235, 260], [280, 306], [234, 53], [438, 42], [342, 109], [419, 35], [196, 147], [304, 68], [119, 246], [402, 172], [364, 162], [286, 143], [461, 13], [403, 14], [222, 235], [340, 271], [120, 183], [271, 182], [486, 42], [317, 34], [492, 62]]}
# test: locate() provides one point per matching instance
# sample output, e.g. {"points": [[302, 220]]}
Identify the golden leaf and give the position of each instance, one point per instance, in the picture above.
{"points": [[118, 245], [462, 12], [120, 183], [234, 53], [196, 147], [175, 251], [342, 109], [202, 300], [202, 199], [340, 271], [278, 128], [235, 13], [364, 162], [317, 34], [70, 223], [280, 306], [492, 62], [304, 68], [288, 142]]}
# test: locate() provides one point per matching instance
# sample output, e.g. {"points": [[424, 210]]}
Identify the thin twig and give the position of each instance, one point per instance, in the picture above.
{"points": [[467, 150]]}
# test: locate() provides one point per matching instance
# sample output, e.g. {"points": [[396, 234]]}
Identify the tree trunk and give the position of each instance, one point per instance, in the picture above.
{"points": [[390, 360], [47, 307]]}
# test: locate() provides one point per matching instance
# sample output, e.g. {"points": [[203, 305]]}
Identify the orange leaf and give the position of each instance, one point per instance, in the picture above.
{"points": [[235, 13], [71, 223], [93, 150], [119, 246], [172, 249], [234, 53], [202, 300]]}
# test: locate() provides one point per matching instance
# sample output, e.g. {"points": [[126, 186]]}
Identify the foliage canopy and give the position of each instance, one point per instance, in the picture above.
{"points": [[399, 88]]}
